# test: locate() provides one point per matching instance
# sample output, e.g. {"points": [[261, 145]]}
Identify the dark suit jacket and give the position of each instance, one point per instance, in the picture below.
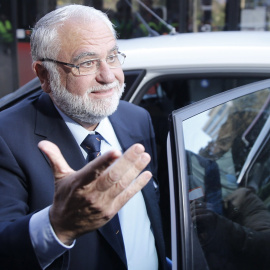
{"points": [[27, 183]]}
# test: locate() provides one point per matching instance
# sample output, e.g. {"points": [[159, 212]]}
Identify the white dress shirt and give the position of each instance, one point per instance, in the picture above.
{"points": [[135, 225]]}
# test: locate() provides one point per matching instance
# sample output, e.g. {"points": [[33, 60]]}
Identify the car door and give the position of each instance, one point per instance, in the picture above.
{"points": [[219, 175]]}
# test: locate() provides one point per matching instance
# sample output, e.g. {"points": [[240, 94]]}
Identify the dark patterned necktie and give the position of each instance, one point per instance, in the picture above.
{"points": [[91, 145]]}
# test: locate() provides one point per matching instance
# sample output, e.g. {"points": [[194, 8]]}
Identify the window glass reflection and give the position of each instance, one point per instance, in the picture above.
{"points": [[231, 218]]}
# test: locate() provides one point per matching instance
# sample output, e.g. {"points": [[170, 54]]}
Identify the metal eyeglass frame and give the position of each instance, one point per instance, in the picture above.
{"points": [[78, 66]]}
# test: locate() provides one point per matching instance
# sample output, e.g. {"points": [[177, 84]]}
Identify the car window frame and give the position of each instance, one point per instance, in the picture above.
{"points": [[137, 96], [140, 74]]}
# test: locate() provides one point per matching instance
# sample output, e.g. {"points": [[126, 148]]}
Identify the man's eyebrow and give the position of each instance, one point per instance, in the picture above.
{"points": [[115, 48], [82, 55]]}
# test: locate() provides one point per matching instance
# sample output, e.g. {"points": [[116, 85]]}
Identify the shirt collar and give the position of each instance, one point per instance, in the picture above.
{"points": [[104, 128]]}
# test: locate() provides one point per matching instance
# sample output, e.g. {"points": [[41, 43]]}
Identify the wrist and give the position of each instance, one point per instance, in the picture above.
{"points": [[64, 236]]}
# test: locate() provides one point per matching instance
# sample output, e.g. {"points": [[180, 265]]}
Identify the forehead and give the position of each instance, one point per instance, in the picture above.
{"points": [[77, 37]]}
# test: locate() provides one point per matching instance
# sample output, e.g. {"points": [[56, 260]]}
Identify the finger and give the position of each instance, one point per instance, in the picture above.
{"points": [[132, 173], [58, 163], [95, 169], [126, 168], [138, 184]]}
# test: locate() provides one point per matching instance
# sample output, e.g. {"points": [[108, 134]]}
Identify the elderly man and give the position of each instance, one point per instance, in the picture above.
{"points": [[61, 212]]}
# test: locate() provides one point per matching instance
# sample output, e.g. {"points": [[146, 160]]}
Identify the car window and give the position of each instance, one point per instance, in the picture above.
{"points": [[183, 91], [165, 95], [228, 215], [257, 175], [226, 135]]}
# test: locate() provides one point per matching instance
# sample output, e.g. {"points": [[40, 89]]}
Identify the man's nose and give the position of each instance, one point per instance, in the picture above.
{"points": [[105, 74]]}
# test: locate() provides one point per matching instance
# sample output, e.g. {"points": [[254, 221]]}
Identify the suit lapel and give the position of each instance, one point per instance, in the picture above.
{"points": [[50, 126], [127, 138], [112, 238], [124, 135]]}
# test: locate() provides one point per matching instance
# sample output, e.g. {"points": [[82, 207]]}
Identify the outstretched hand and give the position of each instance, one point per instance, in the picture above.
{"points": [[87, 199]]}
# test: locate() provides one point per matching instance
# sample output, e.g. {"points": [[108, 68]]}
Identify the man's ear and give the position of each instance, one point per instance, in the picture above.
{"points": [[43, 76]]}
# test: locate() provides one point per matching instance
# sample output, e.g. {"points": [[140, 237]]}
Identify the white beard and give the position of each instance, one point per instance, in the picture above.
{"points": [[83, 108]]}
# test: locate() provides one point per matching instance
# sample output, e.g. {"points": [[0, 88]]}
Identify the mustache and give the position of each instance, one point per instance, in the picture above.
{"points": [[103, 87]]}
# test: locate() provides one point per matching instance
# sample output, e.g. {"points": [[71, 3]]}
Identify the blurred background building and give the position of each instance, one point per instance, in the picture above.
{"points": [[132, 18]]}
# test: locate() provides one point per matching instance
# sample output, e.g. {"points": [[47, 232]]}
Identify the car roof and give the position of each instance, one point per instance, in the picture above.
{"points": [[214, 49]]}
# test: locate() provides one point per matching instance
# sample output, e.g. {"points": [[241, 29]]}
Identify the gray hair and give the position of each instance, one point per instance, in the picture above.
{"points": [[45, 39]]}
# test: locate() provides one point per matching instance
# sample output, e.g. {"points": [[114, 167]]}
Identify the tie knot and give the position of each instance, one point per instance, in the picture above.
{"points": [[91, 145]]}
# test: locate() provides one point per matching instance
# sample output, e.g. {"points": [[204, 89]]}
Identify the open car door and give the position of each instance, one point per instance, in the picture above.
{"points": [[219, 174]]}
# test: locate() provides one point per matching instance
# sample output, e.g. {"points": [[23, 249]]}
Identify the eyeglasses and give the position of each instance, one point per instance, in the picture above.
{"points": [[92, 66]]}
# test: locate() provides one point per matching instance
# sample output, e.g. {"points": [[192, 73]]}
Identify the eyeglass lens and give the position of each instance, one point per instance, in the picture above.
{"points": [[92, 66]]}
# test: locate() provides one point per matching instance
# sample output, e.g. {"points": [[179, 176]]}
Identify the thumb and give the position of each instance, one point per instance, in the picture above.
{"points": [[58, 163]]}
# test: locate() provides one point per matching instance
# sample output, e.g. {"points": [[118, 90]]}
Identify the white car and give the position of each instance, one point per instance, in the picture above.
{"points": [[166, 75], [207, 63]]}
